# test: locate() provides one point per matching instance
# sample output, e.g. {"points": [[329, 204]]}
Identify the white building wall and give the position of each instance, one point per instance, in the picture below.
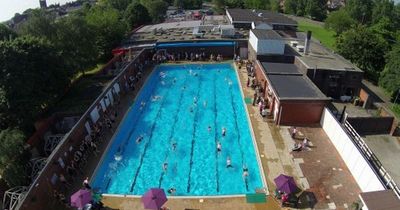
{"points": [[263, 26], [270, 46], [253, 41], [364, 175]]}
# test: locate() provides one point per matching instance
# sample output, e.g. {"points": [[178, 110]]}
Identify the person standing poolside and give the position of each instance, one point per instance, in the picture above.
{"points": [[86, 183], [294, 132]]}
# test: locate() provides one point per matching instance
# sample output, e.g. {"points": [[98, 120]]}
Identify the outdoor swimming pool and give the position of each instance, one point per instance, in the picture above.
{"points": [[177, 105]]}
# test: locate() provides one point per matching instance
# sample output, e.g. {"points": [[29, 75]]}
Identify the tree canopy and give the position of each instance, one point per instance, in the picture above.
{"points": [[6, 33], [364, 48], [13, 157], [32, 75], [136, 14], [390, 76], [360, 10], [339, 21], [108, 28], [156, 9]]}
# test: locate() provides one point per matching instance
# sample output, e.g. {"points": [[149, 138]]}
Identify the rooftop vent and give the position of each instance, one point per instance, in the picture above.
{"points": [[254, 10], [260, 14]]}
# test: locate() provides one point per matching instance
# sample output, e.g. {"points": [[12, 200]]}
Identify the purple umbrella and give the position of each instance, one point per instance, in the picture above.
{"points": [[285, 184], [154, 198], [81, 198]]}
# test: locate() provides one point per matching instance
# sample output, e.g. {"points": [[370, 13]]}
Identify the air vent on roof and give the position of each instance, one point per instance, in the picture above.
{"points": [[260, 14], [294, 43], [254, 10]]}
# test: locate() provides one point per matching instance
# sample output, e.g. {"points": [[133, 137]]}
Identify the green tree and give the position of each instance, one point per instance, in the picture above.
{"points": [[383, 8], [32, 75], [178, 3], [76, 44], [276, 6], [192, 4], [136, 14], [360, 10], [119, 5], [234, 3], [13, 161], [295, 7], [257, 4], [339, 21], [156, 8], [219, 4], [6, 33], [317, 9], [109, 30], [385, 28], [365, 48], [390, 76], [39, 24]]}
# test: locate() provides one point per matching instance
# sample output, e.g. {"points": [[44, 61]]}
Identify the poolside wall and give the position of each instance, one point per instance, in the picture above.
{"points": [[40, 193], [359, 167]]}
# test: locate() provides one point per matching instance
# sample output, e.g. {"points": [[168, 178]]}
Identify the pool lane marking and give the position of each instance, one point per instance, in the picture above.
{"points": [[148, 142], [130, 133], [215, 133], [173, 128], [193, 137], [238, 133]]}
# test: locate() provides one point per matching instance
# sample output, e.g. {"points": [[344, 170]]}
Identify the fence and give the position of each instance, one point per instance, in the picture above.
{"points": [[372, 159], [360, 167], [41, 190], [371, 125]]}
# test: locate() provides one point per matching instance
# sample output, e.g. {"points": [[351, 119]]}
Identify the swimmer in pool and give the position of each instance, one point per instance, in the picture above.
{"points": [[165, 166], [209, 128], [139, 139], [223, 132], [174, 144], [219, 147], [229, 162], [142, 104], [245, 172]]}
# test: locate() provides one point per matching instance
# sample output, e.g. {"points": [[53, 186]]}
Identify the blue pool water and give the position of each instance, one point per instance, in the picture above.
{"points": [[189, 98]]}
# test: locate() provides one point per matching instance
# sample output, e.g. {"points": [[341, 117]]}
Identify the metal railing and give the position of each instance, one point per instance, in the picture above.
{"points": [[379, 169]]}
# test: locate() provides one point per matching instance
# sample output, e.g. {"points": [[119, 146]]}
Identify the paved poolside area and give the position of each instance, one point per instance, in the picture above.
{"points": [[320, 170]]}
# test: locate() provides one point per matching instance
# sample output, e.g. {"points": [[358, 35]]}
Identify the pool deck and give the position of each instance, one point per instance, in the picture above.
{"points": [[320, 170]]}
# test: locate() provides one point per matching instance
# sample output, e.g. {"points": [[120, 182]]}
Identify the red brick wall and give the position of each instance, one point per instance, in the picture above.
{"points": [[301, 112]]}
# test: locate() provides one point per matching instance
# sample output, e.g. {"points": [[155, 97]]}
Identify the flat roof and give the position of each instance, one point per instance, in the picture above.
{"points": [[293, 87], [380, 200], [322, 58], [280, 68], [266, 34], [248, 15]]}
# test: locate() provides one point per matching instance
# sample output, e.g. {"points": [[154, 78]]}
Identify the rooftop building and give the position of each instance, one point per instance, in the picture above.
{"points": [[243, 18]]}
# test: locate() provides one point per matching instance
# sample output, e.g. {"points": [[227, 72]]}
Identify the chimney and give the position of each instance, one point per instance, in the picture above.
{"points": [[308, 42]]}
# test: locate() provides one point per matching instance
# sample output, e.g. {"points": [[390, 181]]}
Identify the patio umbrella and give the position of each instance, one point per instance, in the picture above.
{"points": [[81, 198], [285, 184], [154, 198]]}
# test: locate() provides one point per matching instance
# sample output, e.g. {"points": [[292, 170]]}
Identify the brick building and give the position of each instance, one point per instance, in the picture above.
{"points": [[292, 99]]}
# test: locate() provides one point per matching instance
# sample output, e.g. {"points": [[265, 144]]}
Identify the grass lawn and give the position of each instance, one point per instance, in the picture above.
{"points": [[396, 109], [326, 37]]}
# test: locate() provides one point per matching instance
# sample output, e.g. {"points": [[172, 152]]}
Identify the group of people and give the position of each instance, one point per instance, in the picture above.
{"points": [[163, 56], [305, 144]]}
